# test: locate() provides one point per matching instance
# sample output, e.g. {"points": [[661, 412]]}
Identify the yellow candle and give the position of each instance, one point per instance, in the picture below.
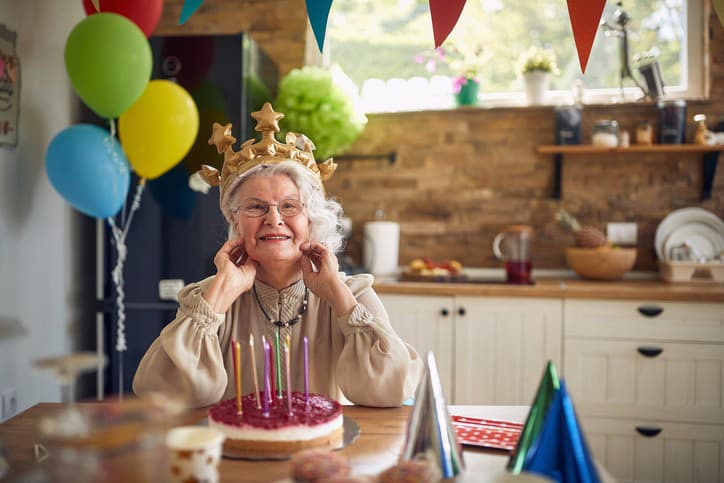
{"points": [[253, 370]]}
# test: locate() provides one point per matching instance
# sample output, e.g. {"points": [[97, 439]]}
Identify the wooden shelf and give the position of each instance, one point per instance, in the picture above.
{"points": [[654, 148], [709, 161]]}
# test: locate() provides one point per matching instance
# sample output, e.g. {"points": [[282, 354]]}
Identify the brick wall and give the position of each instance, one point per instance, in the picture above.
{"points": [[462, 175]]}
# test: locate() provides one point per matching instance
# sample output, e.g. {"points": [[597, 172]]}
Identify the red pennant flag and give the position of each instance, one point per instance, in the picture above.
{"points": [[445, 14], [585, 17]]}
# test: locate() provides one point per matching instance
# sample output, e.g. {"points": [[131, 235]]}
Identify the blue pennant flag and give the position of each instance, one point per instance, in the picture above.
{"points": [[190, 6], [561, 451], [318, 13]]}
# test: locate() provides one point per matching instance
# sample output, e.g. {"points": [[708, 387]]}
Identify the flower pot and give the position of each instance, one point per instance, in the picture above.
{"points": [[536, 86], [466, 92]]}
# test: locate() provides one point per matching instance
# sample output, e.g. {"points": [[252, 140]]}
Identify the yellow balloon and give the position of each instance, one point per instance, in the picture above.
{"points": [[159, 128]]}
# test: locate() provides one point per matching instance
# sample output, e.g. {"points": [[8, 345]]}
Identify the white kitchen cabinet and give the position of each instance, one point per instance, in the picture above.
{"points": [[657, 451], [647, 380], [502, 345], [426, 324], [490, 350]]}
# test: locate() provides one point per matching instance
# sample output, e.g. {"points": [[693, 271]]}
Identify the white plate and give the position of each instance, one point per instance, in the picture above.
{"points": [[679, 217], [704, 240]]}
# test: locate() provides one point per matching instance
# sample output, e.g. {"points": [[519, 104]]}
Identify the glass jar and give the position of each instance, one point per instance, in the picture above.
{"points": [[644, 133], [605, 134]]}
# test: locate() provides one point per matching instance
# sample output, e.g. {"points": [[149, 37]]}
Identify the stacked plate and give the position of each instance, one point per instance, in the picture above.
{"points": [[700, 233]]}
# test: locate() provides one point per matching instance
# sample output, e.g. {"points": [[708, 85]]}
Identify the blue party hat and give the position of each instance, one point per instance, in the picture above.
{"points": [[561, 451]]}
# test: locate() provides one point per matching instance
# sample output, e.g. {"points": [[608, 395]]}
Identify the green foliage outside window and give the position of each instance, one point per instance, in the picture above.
{"points": [[381, 39]]}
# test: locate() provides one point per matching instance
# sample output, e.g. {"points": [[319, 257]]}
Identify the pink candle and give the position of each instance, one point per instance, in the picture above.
{"points": [[289, 379], [306, 369], [267, 389]]}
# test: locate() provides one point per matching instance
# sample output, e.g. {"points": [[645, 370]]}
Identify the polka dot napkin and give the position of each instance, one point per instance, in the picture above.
{"points": [[488, 433]]}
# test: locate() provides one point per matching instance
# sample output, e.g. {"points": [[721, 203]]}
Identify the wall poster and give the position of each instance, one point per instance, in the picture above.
{"points": [[9, 88]]}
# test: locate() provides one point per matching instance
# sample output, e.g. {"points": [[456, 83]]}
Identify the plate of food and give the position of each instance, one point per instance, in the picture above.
{"points": [[427, 270]]}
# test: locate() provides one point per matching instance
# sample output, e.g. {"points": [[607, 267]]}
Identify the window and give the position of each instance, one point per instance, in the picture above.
{"points": [[385, 47]]}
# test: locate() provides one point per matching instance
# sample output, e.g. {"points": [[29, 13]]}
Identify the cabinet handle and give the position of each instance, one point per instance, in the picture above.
{"points": [[445, 312], [461, 311], [648, 432], [649, 351], [650, 310]]}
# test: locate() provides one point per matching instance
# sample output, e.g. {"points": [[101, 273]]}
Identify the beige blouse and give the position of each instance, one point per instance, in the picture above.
{"points": [[357, 356]]}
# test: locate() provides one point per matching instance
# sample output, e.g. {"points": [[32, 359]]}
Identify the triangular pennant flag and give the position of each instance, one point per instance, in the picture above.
{"points": [[561, 451], [719, 9], [585, 16], [430, 434], [549, 385], [190, 6], [318, 13], [97, 5], [445, 14]]}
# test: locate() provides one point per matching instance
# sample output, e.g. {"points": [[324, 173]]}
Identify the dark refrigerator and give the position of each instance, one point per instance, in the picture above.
{"points": [[176, 231]]}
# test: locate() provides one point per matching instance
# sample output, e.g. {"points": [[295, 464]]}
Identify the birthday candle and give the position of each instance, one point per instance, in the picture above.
{"points": [[289, 385], [267, 391], [278, 361], [237, 367], [270, 369], [253, 370], [306, 369]]}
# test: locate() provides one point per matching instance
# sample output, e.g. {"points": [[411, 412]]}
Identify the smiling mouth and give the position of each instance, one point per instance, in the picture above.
{"points": [[274, 237]]}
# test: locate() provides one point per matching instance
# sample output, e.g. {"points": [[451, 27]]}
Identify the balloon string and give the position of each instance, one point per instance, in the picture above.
{"points": [[119, 237]]}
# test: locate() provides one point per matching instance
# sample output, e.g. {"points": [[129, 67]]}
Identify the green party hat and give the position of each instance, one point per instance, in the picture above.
{"points": [[549, 385]]}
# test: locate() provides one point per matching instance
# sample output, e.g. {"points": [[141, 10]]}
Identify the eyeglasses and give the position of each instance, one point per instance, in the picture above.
{"points": [[255, 207]]}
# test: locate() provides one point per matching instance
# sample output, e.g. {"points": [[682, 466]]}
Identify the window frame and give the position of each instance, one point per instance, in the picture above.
{"points": [[697, 16]]}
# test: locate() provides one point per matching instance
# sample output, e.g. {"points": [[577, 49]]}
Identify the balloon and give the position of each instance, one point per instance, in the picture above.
{"points": [[171, 191], [108, 61], [158, 130], [86, 166], [144, 13]]}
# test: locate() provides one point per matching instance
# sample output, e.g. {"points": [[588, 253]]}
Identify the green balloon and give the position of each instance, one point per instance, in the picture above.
{"points": [[108, 60]]}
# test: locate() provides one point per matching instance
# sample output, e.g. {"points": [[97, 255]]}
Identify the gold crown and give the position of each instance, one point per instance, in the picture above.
{"points": [[267, 151]]}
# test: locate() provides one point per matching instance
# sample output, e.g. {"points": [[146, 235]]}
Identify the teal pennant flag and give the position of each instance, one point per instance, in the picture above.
{"points": [[190, 6], [318, 12]]}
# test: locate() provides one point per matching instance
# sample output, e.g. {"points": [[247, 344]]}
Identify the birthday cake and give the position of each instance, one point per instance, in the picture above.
{"points": [[313, 423]]}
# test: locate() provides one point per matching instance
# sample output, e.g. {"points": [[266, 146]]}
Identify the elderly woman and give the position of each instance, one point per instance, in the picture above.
{"points": [[278, 273]]}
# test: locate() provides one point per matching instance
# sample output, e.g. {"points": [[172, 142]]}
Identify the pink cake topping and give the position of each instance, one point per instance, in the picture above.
{"points": [[320, 409]]}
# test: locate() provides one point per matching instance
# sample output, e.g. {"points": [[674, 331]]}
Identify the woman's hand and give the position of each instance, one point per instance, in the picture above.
{"points": [[235, 274], [325, 283]]}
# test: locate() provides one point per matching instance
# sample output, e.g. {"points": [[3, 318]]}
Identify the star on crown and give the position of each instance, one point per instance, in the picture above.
{"points": [[297, 147]]}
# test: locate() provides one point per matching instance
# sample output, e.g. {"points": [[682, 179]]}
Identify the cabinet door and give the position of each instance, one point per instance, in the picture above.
{"points": [[657, 451], [502, 346], [426, 323], [663, 380]]}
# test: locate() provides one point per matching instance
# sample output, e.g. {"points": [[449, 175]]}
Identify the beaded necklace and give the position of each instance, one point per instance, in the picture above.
{"points": [[291, 321]]}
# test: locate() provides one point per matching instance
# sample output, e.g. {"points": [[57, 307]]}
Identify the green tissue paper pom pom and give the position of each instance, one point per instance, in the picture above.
{"points": [[322, 104]]}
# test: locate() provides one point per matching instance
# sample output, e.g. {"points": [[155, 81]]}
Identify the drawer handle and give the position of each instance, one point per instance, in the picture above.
{"points": [[648, 432], [649, 351], [650, 310], [444, 312], [461, 311]]}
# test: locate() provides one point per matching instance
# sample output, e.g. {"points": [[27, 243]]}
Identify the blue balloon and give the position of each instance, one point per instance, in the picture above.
{"points": [[89, 170]]}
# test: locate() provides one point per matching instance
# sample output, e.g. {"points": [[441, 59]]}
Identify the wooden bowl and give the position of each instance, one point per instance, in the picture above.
{"points": [[601, 263]]}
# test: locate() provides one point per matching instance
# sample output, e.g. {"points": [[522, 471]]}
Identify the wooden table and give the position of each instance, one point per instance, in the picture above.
{"points": [[382, 433]]}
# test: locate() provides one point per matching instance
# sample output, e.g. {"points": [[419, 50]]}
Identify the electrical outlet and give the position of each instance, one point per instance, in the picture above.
{"points": [[9, 403], [622, 233]]}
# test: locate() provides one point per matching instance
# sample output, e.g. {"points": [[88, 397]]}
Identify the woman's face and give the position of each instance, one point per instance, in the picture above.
{"points": [[271, 237]]}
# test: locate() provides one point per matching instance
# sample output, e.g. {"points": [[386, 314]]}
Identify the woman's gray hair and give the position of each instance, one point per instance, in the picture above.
{"points": [[323, 212]]}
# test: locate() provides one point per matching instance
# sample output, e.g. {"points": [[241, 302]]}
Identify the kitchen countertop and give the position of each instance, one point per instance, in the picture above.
{"points": [[569, 288]]}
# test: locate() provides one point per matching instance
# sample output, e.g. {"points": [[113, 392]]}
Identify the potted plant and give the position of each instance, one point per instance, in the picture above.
{"points": [[465, 59], [536, 66]]}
